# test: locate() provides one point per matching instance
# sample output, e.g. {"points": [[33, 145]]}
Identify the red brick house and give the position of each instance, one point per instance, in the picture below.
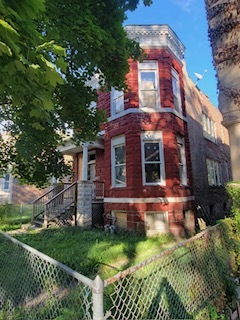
{"points": [[143, 153], [138, 172]]}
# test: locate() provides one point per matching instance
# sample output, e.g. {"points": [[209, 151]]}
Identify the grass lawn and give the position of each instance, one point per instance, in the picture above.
{"points": [[93, 251], [88, 251], [13, 216]]}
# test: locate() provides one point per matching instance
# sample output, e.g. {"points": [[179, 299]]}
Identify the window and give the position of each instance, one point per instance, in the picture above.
{"points": [[149, 85], [209, 128], [6, 182], [118, 162], [152, 159], [156, 222], [182, 161], [91, 165], [176, 91], [214, 173], [117, 101], [120, 219]]}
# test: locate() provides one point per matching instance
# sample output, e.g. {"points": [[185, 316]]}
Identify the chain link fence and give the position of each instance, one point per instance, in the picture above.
{"points": [[34, 286], [178, 283]]}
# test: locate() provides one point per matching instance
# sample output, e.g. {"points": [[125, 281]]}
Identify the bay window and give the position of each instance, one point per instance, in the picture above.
{"points": [[149, 85], [118, 162], [152, 159], [176, 91], [117, 101], [182, 161]]}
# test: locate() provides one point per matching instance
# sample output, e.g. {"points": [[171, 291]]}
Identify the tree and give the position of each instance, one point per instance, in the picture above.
{"points": [[224, 27], [48, 51]]}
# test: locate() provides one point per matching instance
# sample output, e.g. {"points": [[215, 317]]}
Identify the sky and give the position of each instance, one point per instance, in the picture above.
{"points": [[187, 18]]}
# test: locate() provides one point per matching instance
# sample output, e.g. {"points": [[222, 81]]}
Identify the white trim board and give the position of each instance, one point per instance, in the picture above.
{"points": [[149, 200]]}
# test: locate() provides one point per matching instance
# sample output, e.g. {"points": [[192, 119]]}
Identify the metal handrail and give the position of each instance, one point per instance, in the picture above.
{"points": [[59, 203], [38, 204]]}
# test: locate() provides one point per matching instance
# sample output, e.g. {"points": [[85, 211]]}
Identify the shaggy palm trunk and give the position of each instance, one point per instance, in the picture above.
{"points": [[224, 33]]}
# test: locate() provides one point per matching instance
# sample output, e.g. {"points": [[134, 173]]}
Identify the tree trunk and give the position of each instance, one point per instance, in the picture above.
{"points": [[224, 33]]}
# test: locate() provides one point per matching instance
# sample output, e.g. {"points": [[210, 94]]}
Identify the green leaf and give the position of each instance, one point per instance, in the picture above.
{"points": [[8, 27], [46, 45], [37, 126], [58, 50], [34, 66], [54, 77], [36, 113], [19, 65], [61, 64], [4, 49]]}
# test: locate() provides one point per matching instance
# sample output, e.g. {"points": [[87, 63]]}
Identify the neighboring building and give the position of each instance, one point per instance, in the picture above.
{"points": [[142, 158], [210, 154], [11, 191]]}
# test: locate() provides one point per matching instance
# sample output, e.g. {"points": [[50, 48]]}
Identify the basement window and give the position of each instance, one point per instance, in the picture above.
{"points": [[156, 222], [119, 219]]}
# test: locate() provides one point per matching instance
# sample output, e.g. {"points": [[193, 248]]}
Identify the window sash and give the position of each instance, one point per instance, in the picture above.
{"points": [[118, 162], [6, 182], [209, 128], [182, 161], [149, 85], [152, 159], [214, 173], [117, 101], [176, 91]]}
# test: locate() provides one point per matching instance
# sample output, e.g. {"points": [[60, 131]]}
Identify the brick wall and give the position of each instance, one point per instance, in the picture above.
{"points": [[131, 126], [212, 199], [24, 193]]}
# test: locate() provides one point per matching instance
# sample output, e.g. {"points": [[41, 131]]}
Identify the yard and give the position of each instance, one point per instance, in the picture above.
{"points": [[88, 251], [186, 280], [92, 252]]}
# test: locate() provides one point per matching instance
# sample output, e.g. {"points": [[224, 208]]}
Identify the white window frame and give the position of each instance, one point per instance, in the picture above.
{"points": [[116, 95], [182, 161], [6, 182], [149, 66], [153, 136], [176, 91], [214, 172], [209, 128], [91, 162], [117, 142]]}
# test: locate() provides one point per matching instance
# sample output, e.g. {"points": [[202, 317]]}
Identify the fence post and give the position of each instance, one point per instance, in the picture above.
{"points": [[97, 296]]}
